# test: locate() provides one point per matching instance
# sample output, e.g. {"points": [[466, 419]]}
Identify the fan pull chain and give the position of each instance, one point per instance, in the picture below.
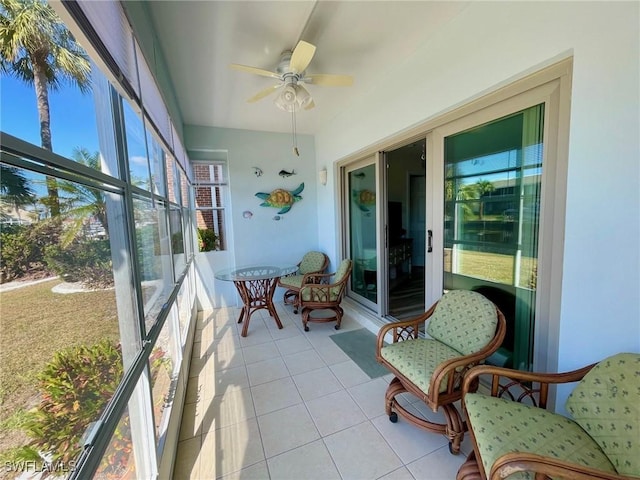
{"points": [[293, 129]]}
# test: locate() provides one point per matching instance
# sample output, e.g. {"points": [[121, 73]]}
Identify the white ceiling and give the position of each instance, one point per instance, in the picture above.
{"points": [[365, 39]]}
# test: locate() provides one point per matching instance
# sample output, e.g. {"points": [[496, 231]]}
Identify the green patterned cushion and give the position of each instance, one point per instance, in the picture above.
{"points": [[342, 270], [501, 426], [292, 281], [606, 403], [464, 320], [325, 293], [312, 262], [417, 359]]}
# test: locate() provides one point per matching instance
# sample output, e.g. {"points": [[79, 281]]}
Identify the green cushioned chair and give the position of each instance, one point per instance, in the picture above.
{"points": [[311, 263], [464, 328], [515, 435], [325, 292]]}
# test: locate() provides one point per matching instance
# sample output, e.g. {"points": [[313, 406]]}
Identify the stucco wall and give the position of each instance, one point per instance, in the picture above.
{"points": [[488, 46], [260, 238]]}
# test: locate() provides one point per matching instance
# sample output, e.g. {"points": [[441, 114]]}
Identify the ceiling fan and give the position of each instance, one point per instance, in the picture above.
{"points": [[291, 73]]}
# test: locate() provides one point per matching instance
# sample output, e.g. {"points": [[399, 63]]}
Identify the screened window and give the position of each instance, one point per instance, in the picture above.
{"points": [[211, 188]]}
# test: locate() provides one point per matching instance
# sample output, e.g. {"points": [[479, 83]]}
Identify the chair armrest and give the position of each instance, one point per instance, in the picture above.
{"points": [[316, 277], [546, 467], [518, 385], [403, 329]]}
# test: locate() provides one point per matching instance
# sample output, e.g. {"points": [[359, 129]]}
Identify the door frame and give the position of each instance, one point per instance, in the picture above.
{"points": [[557, 79], [551, 230]]}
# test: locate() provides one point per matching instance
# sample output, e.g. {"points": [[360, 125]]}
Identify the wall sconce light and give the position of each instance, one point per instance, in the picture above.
{"points": [[322, 175]]}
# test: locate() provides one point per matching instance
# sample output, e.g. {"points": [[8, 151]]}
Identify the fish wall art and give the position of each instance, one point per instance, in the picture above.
{"points": [[284, 174]]}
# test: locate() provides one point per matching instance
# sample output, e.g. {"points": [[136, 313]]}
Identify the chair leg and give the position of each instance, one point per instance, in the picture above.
{"points": [[305, 319], [469, 470], [292, 297], [454, 428], [339, 312]]}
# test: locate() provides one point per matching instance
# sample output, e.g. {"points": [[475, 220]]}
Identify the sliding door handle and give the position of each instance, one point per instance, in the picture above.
{"points": [[429, 241]]}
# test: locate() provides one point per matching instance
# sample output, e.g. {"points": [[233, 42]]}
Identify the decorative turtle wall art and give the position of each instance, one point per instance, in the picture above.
{"points": [[281, 198]]}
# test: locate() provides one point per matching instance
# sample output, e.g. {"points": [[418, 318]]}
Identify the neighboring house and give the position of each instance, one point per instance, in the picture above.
{"points": [[11, 215]]}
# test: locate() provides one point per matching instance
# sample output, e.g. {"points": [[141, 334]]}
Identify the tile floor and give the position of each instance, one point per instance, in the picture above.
{"points": [[288, 404]]}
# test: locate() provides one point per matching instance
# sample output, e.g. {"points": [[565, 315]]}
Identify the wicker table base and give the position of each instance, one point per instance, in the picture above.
{"points": [[256, 295]]}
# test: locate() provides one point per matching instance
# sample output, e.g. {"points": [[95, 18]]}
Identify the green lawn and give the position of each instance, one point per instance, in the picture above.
{"points": [[34, 324]]}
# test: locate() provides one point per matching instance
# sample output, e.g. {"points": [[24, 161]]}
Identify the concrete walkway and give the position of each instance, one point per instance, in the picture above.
{"points": [[5, 287]]}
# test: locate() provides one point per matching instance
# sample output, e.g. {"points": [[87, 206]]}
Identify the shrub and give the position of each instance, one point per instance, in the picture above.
{"points": [[22, 249], [207, 239], [85, 261], [75, 388], [177, 243]]}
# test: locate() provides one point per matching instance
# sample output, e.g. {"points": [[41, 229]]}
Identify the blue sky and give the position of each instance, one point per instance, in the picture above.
{"points": [[73, 119]]}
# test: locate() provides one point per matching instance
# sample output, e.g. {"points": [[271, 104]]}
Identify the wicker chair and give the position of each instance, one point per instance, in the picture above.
{"points": [[325, 292], [312, 262], [515, 436], [464, 329]]}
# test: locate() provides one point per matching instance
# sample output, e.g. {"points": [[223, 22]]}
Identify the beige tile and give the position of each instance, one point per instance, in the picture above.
{"points": [[286, 429], [197, 366], [349, 374], [266, 371], [302, 362], [219, 382], [236, 447], [259, 471], [225, 339], [198, 351], [399, 474], [233, 407], [221, 437], [437, 465], [187, 463], [209, 450], [195, 389], [361, 452], [370, 397], [296, 344], [309, 462], [407, 440], [335, 412], [260, 353], [317, 383], [258, 332], [191, 421], [228, 358], [272, 396], [331, 353]]}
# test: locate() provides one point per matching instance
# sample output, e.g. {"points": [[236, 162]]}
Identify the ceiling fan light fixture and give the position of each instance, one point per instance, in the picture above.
{"points": [[287, 99], [303, 97], [293, 98]]}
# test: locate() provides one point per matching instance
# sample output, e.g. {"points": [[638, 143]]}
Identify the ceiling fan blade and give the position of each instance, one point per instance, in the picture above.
{"points": [[254, 70], [301, 56], [264, 93], [329, 80]]}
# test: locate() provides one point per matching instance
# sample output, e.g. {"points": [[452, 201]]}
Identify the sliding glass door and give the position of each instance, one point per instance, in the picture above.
{"points": [[362, 218], [491, 189]]}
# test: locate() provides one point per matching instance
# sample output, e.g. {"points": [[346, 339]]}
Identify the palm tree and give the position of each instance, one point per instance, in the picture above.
{"points": [[81, 202], [15, 189], [484, 187], [36, 47]]}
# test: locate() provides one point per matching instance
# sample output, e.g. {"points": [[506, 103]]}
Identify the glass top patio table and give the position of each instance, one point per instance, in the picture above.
{"points": [[256, 285], [255, 272]]}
